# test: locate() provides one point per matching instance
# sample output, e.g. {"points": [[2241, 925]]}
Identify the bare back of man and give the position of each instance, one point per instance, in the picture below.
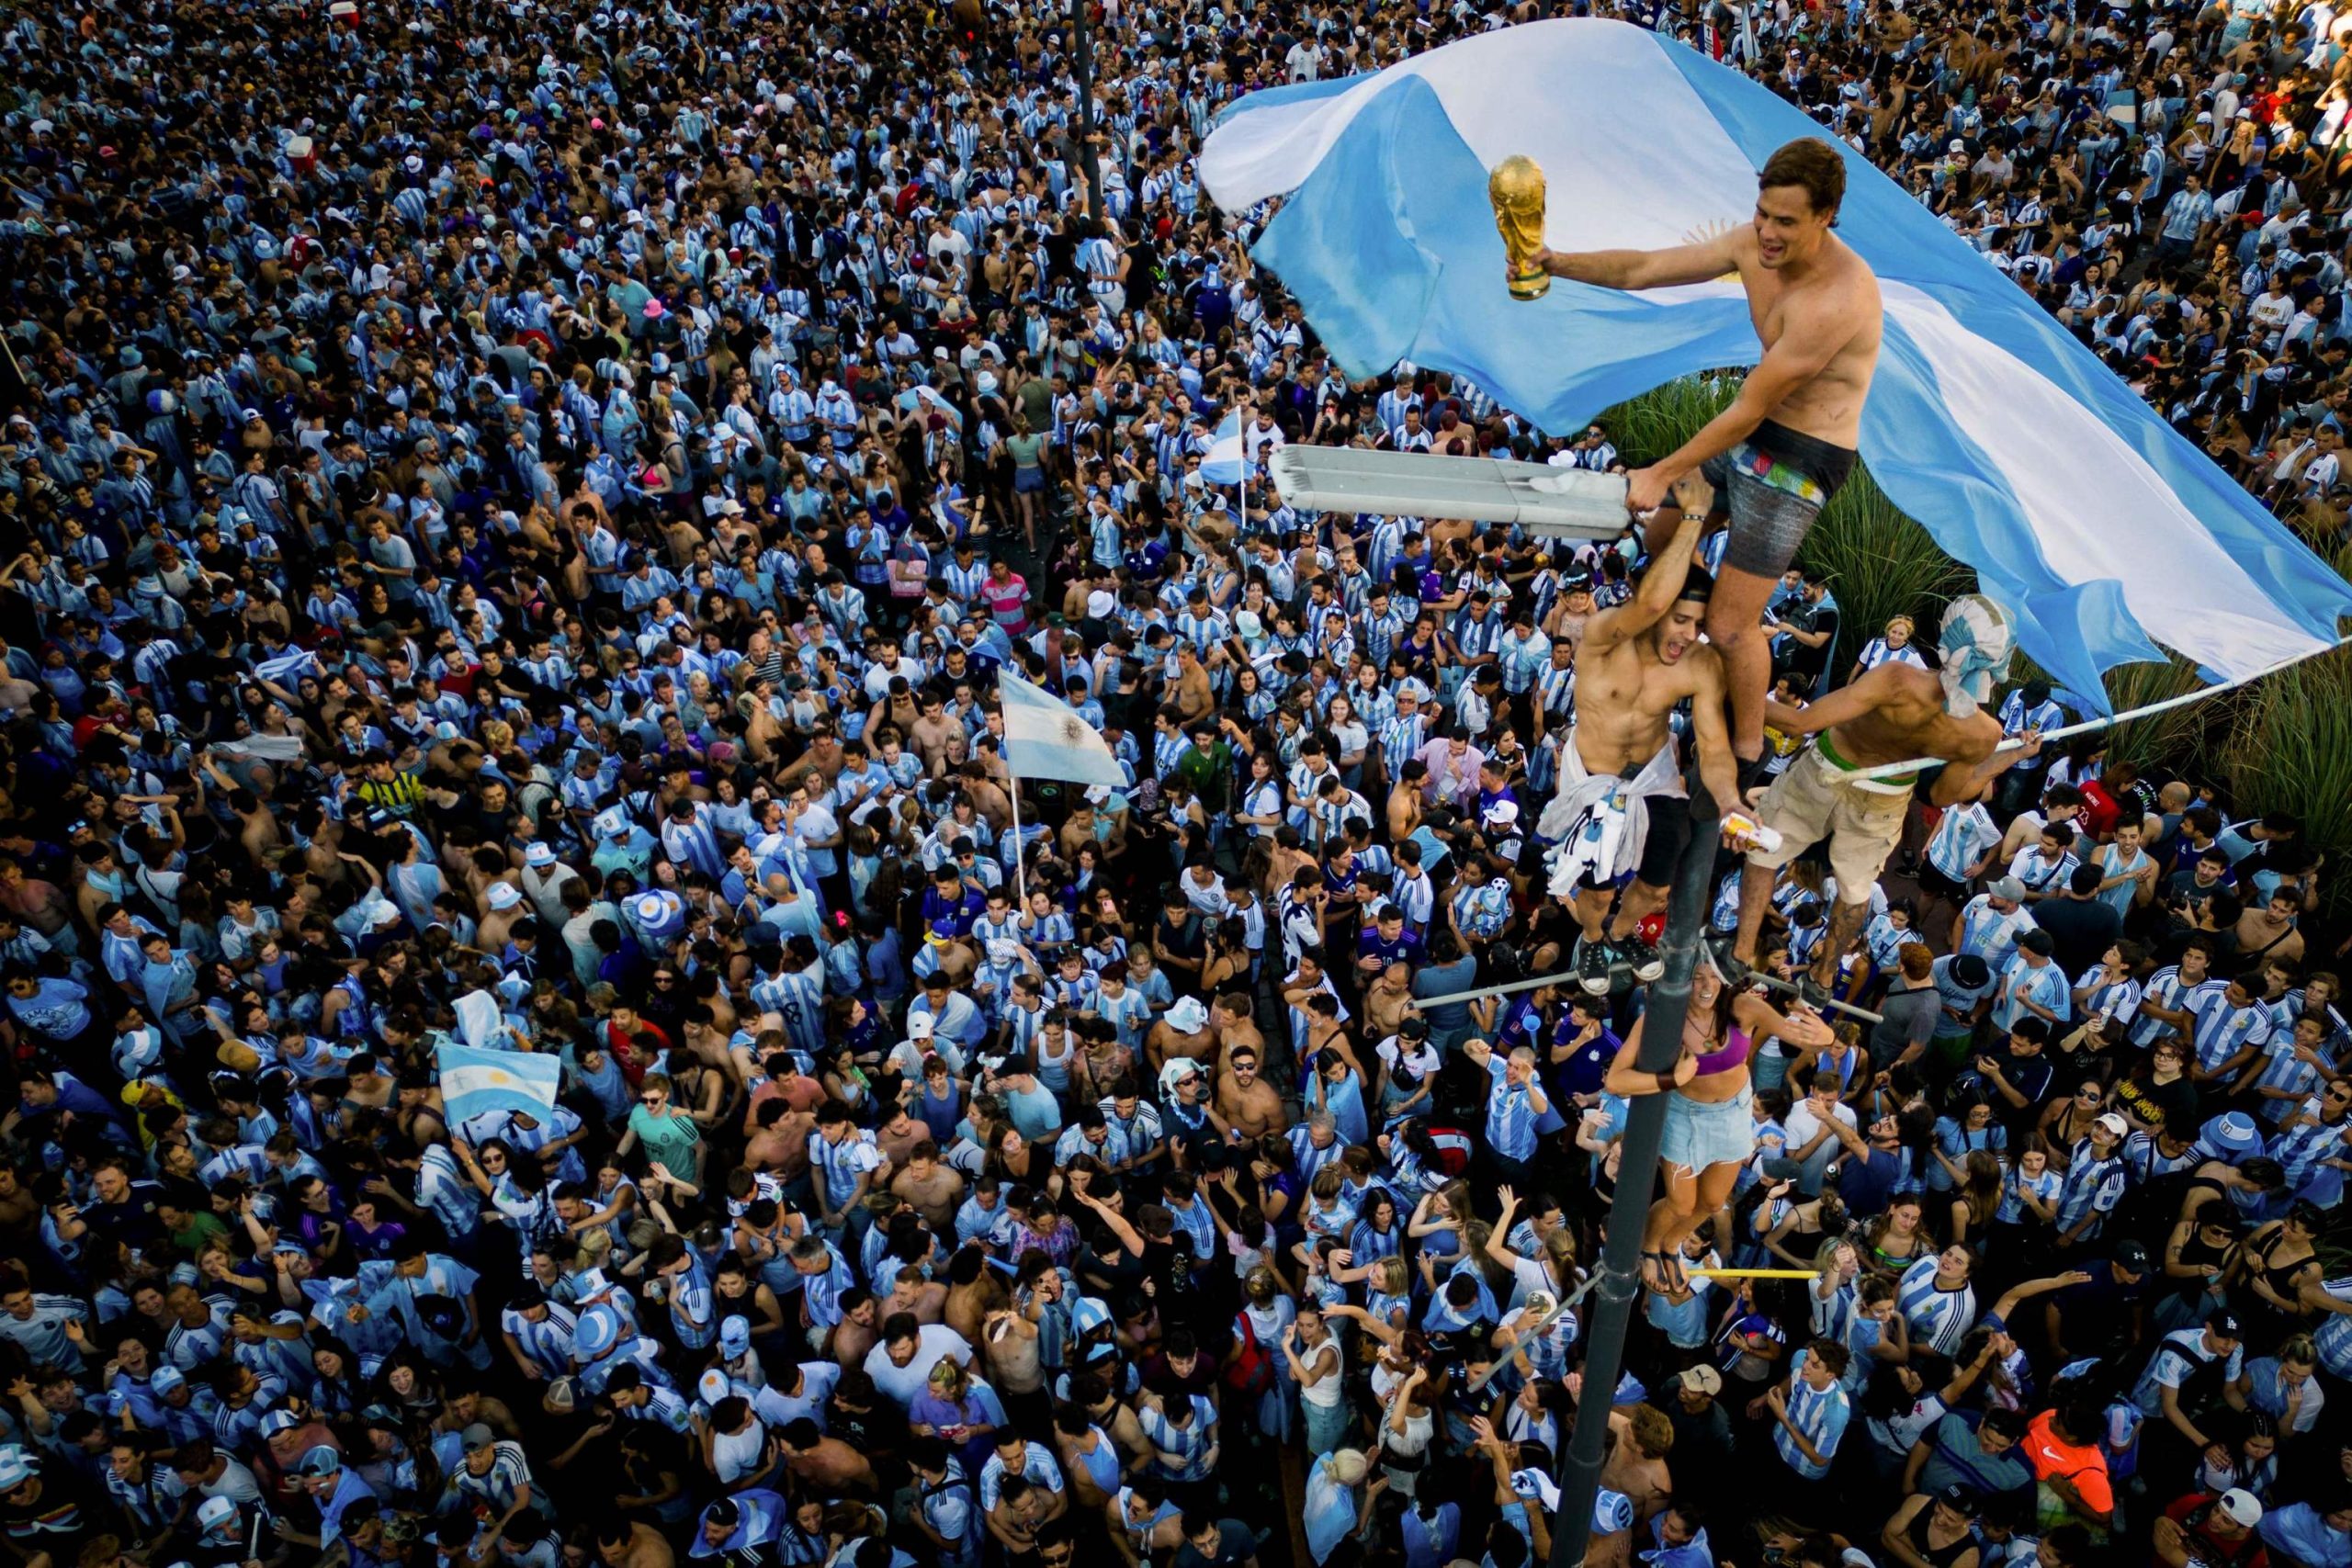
{"points": [[1894, 714], [1786, 441]]}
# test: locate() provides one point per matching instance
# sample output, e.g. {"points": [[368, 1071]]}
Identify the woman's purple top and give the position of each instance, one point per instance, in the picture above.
{"points": [[1734, 1053]]}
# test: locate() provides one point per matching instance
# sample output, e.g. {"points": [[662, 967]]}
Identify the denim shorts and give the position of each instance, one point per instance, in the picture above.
{"points": [[1699, 1134]]}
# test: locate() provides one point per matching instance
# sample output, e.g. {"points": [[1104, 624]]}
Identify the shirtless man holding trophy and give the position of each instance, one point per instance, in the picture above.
{"points": [[1786, 441]]}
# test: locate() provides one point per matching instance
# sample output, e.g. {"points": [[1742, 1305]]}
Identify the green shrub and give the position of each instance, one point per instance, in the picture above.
{"points": [[2290, 749]]}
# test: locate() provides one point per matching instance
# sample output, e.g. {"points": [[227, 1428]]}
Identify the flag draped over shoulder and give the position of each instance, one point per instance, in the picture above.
{"points": [[1045, 738], [2102, 529]]}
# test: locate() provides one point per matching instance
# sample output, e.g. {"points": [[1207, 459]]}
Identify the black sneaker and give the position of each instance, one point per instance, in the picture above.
{"points": [[1641, 953], [1593, 959]]}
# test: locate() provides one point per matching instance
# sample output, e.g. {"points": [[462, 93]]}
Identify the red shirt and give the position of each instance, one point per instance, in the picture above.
{"points": [[2198, 1514]]}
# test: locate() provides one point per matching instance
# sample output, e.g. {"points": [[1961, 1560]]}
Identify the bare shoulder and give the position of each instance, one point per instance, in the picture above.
{"points": [[1980, 736], [1851, 284], [1702, 667]]}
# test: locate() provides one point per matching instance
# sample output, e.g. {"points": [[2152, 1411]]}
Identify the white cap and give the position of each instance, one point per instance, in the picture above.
{"points": [[1100, 603], [2241, 1507], [2115, 1125], [1187, 1016], [504, 895], [920, 1027]]}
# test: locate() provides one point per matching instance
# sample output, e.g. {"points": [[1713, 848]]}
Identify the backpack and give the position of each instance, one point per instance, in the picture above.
{"points": [[1251, 1370]]}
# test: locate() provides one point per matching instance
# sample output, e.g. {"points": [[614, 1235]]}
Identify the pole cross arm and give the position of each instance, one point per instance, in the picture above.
{"points": [[1573, 503]]}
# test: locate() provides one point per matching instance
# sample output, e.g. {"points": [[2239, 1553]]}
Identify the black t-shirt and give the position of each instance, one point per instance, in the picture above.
{"points": [[1810, 618], [2030, 1076], [2156, 1104], [1234, 1544], [2083, 928]]}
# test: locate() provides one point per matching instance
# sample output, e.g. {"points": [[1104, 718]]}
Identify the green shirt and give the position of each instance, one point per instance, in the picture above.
{"points": [[670, 1138]]}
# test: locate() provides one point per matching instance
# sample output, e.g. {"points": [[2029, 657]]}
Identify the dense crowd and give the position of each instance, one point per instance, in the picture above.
{"points": [[512, 518]]}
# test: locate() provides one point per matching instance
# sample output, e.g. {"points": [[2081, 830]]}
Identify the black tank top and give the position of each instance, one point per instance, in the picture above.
{"points": [[1916, 1532]]}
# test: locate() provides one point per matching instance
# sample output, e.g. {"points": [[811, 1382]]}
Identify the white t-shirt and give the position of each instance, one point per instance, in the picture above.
{"points": [[1802, 1123], [901, 1384]]}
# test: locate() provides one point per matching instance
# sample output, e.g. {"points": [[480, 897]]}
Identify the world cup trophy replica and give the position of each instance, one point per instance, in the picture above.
{"points": [[1516, 188]]}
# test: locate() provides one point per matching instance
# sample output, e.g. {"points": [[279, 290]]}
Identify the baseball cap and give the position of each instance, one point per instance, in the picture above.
{"points": [[1703, 1379], [1959, 1499], [921, 1026], [2225, 1325], [597, 1331], [216, 1511], [2007, 887], [477, 1435], [2115, 1125], [2241, 1507], [279, 1421], [2131, 1255], [2038, 942], [735, 1335], [320, 1460], [166, 1380]]}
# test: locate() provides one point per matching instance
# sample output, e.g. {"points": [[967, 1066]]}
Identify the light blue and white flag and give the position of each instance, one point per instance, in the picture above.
{"points": [[475, 1082], [2101, 529], [1045, 738], [1221, 463]]}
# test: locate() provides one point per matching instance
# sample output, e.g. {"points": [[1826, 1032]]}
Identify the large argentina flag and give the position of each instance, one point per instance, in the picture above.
{"points": [[2080, 509]]}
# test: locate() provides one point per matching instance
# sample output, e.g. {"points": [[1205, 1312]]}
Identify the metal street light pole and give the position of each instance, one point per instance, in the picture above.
{"points": [[1619, 1284]]}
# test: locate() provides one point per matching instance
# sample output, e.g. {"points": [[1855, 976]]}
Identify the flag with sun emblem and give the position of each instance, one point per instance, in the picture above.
{"points": [[474, 1082], [1045, 738], [2107, 534]]}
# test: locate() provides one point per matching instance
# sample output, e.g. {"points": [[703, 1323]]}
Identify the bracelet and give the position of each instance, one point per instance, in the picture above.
{"points": [[1665, 1081]]}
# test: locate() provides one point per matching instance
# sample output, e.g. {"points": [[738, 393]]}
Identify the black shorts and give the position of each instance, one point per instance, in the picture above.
{"points": [[1669, 832], [1937, 884]]}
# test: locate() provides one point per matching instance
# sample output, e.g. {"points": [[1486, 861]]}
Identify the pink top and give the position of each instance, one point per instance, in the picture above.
{"points": [[1734, 1053]]}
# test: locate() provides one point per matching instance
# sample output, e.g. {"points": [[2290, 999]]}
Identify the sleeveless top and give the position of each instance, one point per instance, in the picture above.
{"points": [[1733, 1053]]}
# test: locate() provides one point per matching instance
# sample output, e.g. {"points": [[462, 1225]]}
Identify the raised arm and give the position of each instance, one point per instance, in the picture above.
{"points": [[1662, 583], [1710, 258]]}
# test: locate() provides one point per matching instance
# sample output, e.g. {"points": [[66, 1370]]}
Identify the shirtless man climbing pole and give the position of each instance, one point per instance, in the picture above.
{"points": [[1781, 450], [1891, 714], [1622, 803]]}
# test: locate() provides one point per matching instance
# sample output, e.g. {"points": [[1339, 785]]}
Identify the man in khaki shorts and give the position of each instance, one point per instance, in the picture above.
{"points": [[1893, 714]]}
